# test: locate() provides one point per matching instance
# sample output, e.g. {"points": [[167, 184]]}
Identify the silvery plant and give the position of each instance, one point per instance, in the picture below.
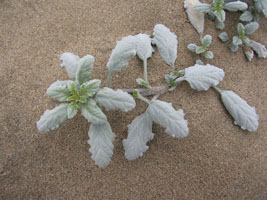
{"points": [[217, 10], [86, 94], [203, 48]]}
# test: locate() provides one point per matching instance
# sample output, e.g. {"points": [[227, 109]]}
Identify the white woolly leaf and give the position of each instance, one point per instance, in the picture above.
{"points": [[115, 99], [100, 141], [224, 36], [165, 115], [52, 119], [235, 6], [261, 5], [144, 49], [203, 7], [202, 77], [120, 56], [259, 48], [196, 18], [93, 113], [166, 42], [85, 65], [59, 90], [139, 133], [251, 27], [244, 115], [70, 62], [89, 88], [246, 16], [72, 111]]}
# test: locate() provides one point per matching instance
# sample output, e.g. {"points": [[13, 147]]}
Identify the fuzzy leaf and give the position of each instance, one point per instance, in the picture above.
{"points": [[258, 48], [220, 25], [122, 53], [139, 133], [192, 47], [52, 119], [202, 77], [142, 82], [237, 41], [203, 7], [224, 36], [70, 62], [85, 65], [59, 90], [246, 16], [261, 5], [100, 141], [240, 29], [244, 115], [233, 47], [199, 62], [166, 42], [209, 55], [196, 18], [251, 27], [72, 111], [89, 88], [220, 15], [200, 49], [206, 40], [144, 49], [165, 115], [93, 113], [235, 6], [115, 99]]}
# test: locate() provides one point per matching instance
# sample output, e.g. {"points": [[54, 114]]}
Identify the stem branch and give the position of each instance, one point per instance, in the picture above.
{"points": [[109, 78]]}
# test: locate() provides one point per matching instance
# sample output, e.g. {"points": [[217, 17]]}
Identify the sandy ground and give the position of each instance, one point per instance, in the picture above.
{"points": [[217, 160]]}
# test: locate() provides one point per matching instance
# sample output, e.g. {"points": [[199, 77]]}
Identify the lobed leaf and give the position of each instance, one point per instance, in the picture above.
{"points": [[202, 77], [93, 113], [144, 49], [122, 53], [85, 65], [115, 99], [52, 119], [165, 115], [139, 133], [90, 88], [167, 43], [59, 90], [258, 48], [244, 115], [70, 62], [100, 141]]}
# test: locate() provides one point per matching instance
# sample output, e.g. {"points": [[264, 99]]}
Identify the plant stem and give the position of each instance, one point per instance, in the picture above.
{"points": [[145, 71], [109, 78], [140, 97], [217, 89], [148, 91]]}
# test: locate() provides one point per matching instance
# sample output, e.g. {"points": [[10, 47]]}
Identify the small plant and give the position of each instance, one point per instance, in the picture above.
{"points": [[203, 49], [87, 95], [217, 10]]}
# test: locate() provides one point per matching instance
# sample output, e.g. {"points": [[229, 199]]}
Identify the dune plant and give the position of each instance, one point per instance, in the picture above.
{"points": [[86, 94]]}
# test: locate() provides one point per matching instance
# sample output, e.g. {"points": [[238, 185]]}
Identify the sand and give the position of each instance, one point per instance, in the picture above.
{"points": [[217, 160]]}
